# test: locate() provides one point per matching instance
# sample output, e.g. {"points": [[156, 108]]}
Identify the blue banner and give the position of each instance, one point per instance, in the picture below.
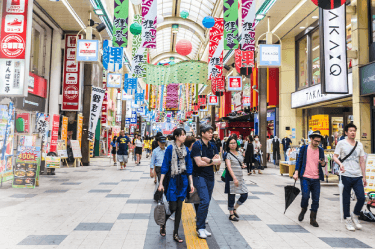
{"points": [[130, 84], [133, 119], [112, 56]]}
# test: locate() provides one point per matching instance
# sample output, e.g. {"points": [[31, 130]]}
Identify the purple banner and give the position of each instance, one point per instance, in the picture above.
{"points": [[149, 22], [248, 21]]}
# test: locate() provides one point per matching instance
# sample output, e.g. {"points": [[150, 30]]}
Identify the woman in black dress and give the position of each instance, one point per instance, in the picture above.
{"points": [[249, 154]]}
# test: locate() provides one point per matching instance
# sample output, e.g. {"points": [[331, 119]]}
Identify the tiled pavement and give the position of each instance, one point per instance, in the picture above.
{"points": [[100, 207]]}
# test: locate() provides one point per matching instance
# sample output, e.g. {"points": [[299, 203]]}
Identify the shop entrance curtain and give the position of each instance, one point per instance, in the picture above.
{"points": [[183, 72]]}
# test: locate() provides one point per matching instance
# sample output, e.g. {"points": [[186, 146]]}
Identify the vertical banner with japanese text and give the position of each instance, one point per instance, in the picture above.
{"points": [[7, 118], [55, 132], [230, 24], [149, 23], [216, 49], [112, 57], [139, 53], [79, 128], [64, 129], [97, 96], [248, 21], [120, 23]]}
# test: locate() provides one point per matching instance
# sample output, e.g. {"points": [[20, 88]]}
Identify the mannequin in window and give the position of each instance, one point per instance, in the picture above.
{"points": [[276, 150], [286, 145]]}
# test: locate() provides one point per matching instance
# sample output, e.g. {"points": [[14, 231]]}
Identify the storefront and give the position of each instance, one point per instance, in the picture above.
{"points": [[272, 124], [242, 125]]}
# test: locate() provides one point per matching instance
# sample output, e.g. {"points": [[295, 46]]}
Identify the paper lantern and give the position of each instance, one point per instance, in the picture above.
{"points": [[184, 47], [160, 19], [136, 28], [184, 14], [136, 2], [208, 22]]}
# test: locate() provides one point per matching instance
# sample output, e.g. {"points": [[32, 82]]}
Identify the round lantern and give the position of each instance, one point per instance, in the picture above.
{"points": [[184, 14], [136, 2], [184, 47], [135, 28], [328, 4], [160, 19], [208, 22]]}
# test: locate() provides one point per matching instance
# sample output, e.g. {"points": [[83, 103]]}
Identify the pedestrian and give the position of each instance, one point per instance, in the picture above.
{"points": [[113, 150], [309, 170], [176, 176], [205, 156], [257, 154], [249, 154], [138, 148], [353, 174], [190, 140], [122, 149], [234, 182], [155, 143], [240, 140], [216, 140], [157, 158], [147, 147]]}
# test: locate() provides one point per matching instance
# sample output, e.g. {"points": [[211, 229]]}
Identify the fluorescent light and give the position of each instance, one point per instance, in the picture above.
{"points": [[260, 16], [316, 48], [99, 12], [294, 10], [74, 14], [315, 17], [302, 27], [349, 25]]}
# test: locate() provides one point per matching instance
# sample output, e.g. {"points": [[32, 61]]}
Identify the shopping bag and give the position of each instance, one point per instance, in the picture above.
{"points": [[159, 214], [223, 175], [193, 197]]}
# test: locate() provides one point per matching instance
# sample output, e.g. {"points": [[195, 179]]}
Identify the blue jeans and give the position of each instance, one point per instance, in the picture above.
{"points": [[232, 200], [310, 186], [356, 184], [204, 188]]}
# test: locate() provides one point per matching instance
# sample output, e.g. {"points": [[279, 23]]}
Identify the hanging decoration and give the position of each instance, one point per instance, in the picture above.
{"points": [[208, 22], [184, 47], [202, 101], [219, 85], [238, 60], [184, 14], [246, 98], [234, 83], [112, 57], [97, 96], [248, 22], [136, 28], [329, 4], [216, 50], [120, 23], [214, 86], [213, 100], [139, 54], [172, 97], [149, 23], [230, 24], [247, 59]]}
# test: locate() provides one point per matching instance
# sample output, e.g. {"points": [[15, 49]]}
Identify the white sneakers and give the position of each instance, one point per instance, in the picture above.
{"points": [[202, 233], [207, 233], [352, 223]]}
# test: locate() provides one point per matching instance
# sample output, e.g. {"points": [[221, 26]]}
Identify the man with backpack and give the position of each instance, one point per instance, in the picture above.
{"points": [[350, 156], [205, 156]]}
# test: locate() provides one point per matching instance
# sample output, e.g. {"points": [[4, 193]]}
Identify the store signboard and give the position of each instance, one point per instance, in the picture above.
{"points": [[76, 148], [30, 103], [64, 129], [15, 37], [114, 80], [37, 85], [246, 100], [97, 96], [370, 173], [213, 100], [367, 79], [53, 162], [133, 119], [6, 141], [269, 55], [79, 128], [23, 123], [55, 132], [234, 83], [333, 63], [72, 76], [88, 50]]}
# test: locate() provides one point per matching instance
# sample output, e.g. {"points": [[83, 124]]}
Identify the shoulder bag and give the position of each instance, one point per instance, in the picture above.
{"points": [[336, 167]]}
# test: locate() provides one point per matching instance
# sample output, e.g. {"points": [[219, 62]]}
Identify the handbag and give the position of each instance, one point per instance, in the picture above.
{"points": [[193, 197], [223, 175], [159, 214], [336, 167]]}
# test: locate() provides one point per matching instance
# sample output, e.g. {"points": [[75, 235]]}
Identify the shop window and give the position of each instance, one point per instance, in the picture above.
{"points": [[302, 65], [315, 57], [337, 129], [37, 55]]}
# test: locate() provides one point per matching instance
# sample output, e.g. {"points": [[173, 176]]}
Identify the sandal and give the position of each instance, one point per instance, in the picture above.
{"points": [[155, 182], [232, 217], [162, 231], [177, 238], [235, 213]]}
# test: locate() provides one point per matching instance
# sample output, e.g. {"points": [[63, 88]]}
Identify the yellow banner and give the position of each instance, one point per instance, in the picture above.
{"points": [[64, 129], [79, 128], [321, 123]]}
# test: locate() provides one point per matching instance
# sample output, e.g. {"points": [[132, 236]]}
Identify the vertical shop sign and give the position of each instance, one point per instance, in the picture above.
{"points": [[333, 66], [37, 85], [246, 101], [104, 113], [149, 23], [112, 57], [64, 129], [15, 44], [133, 119], [216, 49], [248, 21], [6, 141], [71, 84], [238, 60], [42, 122], [213, 100], [55, 132], [247, 59], [234, 83], [230, 24], [97, 96], [87, 50], [139, 53], [23, 123], [79, 128], [120, 23]]}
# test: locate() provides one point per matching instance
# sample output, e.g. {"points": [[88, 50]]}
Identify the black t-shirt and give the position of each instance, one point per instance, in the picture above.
{"points": [[123, 145], [201, 150]]}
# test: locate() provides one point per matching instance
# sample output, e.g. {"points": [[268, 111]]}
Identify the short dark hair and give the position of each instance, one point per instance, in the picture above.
{"points": [[234, 135], [189, 141], [350, 125], [205, 128], [251, 139], [228, 142], [178, 132]]}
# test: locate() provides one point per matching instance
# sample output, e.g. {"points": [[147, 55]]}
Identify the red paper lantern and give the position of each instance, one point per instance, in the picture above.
{"points": [[184, 47]]}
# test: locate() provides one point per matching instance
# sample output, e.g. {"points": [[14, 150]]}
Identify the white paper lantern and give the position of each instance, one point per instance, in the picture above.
{"points": [[160, 19], [136, 2]]}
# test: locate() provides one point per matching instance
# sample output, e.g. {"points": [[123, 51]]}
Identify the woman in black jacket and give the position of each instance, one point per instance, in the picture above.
{"points": [[249, 154]]}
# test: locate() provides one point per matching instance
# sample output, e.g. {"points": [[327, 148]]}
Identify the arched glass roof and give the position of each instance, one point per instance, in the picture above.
{"points": [[198, 9], [163, 42]]}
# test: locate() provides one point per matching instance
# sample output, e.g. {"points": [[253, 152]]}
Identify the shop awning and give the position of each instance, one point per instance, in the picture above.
{"points": [[249, 117]]}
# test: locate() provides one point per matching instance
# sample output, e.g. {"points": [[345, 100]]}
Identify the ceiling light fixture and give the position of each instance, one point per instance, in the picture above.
{"points": [[294, 10], [315, 17], [260, 16], [74, 14], [302, 27]]}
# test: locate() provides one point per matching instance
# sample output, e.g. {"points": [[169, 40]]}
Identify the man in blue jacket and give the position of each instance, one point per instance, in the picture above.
{"points": [[309, 169]]}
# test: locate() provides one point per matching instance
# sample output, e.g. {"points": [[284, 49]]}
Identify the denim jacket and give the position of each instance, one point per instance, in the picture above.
{"points": [[301, 162]]}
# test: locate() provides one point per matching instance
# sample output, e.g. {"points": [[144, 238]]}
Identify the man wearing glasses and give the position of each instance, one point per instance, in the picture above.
{"points": [[309, 169]]}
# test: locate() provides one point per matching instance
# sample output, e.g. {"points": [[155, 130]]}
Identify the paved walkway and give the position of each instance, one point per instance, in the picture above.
{"points": [[101, 207]]}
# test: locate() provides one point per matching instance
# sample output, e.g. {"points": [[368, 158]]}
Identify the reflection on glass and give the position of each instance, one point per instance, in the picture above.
{"points": [[337, 129], [302, 54], [315, 58]]}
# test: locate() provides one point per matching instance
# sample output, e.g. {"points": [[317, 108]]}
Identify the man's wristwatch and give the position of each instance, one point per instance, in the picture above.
{"points": [[211, 161]]}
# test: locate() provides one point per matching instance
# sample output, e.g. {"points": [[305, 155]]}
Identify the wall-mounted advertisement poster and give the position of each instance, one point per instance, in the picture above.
{"points": [[6, 141]]}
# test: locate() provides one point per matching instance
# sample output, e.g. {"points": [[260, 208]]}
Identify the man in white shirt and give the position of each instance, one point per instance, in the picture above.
{"points": [[353, 175]]}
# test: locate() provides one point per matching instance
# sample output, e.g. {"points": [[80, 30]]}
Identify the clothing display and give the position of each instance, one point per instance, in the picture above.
{"points": [[276, 150]]}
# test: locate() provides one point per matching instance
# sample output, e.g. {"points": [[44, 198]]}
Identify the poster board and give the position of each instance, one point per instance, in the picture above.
{"points": [[61, 149], [53, 162], [76, 148], [7, 119], [370, 173]]}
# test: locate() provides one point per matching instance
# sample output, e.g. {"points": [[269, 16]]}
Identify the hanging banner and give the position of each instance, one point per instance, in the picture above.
{"points": [[112, 57], [329, 4], [23, 123], [333, 62], [133, 119], [104, 113], [149, 23], [248, 22], [72, 76], [130, 85], [114, 80], [42, 124], [79, 128], [97, 96], [213, 100], [247, 59], [139, 53], [246, 100], [6, 141], [120, 23], [216, 49], [230, 24], [55, 132], [15, 43], [238, 59], [64, 129], [234, 83]]}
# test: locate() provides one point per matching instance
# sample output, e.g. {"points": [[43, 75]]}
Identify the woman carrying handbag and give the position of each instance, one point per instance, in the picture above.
{"points": [[176, 177]]}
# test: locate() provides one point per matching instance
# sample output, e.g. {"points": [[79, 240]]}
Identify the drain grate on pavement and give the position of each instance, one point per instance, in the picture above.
{"points": [[56, 191], [71, 183], [260, 193], [23, 195], [344, 242], [250, 217], [139, 201], [94, 227], [333, 198], [118, 196], [43, 240], [100, 191], [288, 229], [130, 180]]}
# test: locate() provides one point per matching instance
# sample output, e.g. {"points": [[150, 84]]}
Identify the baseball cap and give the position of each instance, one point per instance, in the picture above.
{"points": [[162, 139]]}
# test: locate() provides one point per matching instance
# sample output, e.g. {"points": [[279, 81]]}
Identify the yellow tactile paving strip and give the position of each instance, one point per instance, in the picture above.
{"points": [[188, 221]]}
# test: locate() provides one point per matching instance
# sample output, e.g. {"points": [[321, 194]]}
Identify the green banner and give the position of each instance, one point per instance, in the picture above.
{"points": [[120, 24], [139, 53], [230, 24]]}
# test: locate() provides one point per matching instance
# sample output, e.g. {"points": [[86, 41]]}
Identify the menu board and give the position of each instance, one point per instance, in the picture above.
{"points": [[76, 148], [53, 162], [61, 149], [370, 173], [27, 165]]}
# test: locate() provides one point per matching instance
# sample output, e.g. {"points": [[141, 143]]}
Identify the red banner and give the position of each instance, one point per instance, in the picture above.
{"points": [[238, 60], [54, 132], [23, 123], [247, 59], [213, 100], [216, 35], [37, 85], [71, 83]]}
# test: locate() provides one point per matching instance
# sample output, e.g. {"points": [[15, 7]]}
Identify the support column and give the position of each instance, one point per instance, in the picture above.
{"points": [[85, 144], [361, 105], [213, 116], [262, 79], [123, 115]]}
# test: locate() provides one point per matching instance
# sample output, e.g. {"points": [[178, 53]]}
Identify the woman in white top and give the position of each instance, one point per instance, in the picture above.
{"points": [[138, 148], [257, 154]]}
